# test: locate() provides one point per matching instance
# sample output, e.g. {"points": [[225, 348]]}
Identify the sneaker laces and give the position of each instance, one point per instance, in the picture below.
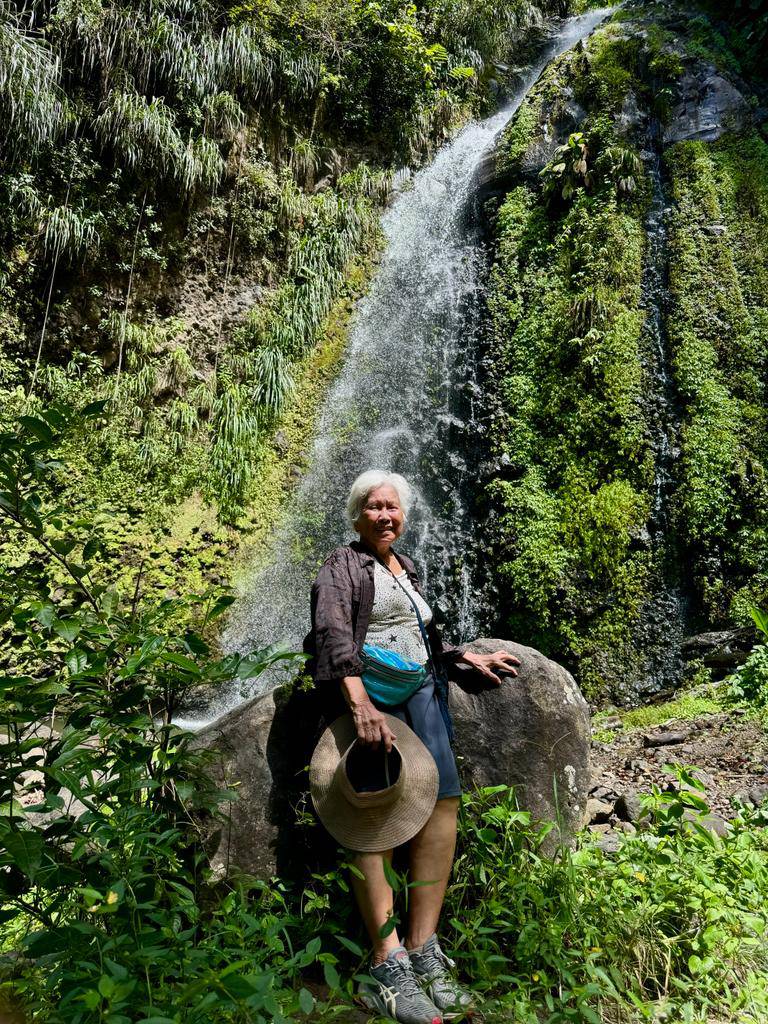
{"points": [[435, 961], [407, 983]]}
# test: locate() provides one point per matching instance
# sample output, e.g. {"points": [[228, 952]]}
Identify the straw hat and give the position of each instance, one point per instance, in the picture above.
{"points": [[367, 799]]}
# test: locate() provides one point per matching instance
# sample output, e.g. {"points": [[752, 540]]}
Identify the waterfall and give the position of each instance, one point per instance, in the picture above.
{"points": [[661, 629], [405, 400]]}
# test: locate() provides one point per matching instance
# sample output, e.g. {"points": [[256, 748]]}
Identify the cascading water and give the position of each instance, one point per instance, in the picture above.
{"points": [[404, 401], [661, 628]]}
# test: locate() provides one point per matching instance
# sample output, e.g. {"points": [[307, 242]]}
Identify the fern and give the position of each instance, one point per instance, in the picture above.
{"points": [[31, 103], [69, 231], [272, 380]]}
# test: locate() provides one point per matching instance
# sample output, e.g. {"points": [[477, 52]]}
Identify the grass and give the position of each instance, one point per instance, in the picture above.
{"points": [[685, 706]]}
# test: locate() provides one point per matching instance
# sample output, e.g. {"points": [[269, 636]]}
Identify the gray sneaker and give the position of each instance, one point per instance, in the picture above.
{"points": [[397, 993], [435, 972]]}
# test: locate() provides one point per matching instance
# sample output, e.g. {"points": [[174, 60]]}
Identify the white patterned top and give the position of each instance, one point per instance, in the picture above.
{"points": [[393, 621]]}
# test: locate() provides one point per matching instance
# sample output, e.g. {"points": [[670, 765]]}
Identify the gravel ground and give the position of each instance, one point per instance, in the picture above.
{"points": [[729, 749]]}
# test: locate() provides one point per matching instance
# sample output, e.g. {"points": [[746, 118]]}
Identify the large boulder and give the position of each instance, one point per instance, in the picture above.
{"points": [[532, 732], [262, 748]]}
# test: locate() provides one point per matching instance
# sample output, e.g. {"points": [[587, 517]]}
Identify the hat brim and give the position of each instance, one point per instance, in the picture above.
{"points": [[381, 827]]}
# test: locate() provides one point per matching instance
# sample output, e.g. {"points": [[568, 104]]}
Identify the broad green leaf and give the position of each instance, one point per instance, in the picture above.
{"points": [[306, 1001], [332, 979], [26, 851], [38, 427], [350, 945], [182, 662], [94, 408], [67, 629]]}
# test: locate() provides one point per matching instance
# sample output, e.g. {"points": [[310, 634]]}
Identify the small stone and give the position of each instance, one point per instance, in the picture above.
{"points": [[715, 229], [598, 810], [664, 739], [602, 793], [714, 822], [757, 795], [601, 829], [629, 807], [610, 843], [627, 828]]}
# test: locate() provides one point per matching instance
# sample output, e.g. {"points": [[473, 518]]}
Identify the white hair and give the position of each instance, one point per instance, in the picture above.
{"points": [[368, 482]]}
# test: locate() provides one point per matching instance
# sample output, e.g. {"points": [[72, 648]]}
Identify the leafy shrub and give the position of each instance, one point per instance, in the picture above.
{"points": [[669, 925], [101, 858], [749, 683]]}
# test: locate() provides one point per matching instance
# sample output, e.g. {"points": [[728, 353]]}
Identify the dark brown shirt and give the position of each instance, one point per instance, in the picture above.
{"points": [[342, 599]]}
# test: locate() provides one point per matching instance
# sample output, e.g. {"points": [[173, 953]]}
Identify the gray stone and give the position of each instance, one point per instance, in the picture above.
{"points": [[603, 793], [601, 828], [629, 807], [531, 732], [711, 821], [664, 739], [262, 748], [721, 651], [599, 811], [708, 105], [613, 722], [610, 843], [752, 797]]}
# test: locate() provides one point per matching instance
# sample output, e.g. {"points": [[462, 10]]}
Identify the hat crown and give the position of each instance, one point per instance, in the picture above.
{"points": [[373, 797], [363, 812]]}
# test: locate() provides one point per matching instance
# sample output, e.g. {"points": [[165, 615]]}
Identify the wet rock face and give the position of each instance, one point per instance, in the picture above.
{"points": [[707, 106], [532, 732], [721, 652]]}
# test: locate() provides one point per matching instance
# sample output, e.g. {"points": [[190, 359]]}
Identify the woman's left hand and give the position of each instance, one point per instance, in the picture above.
{"points": [[502, 661]]}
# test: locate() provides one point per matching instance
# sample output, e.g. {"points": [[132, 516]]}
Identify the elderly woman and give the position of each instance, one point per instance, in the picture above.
{"points": [[367, 593]]}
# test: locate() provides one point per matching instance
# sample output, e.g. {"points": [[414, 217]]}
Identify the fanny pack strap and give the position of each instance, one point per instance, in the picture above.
{"points": [[441, 683]]}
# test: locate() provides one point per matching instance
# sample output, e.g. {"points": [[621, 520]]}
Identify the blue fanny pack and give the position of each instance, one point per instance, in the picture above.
{"points": [[390, 679]]}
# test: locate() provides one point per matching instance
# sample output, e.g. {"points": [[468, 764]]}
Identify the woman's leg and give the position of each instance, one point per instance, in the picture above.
{"points": [[374, 898], [431, 859]]}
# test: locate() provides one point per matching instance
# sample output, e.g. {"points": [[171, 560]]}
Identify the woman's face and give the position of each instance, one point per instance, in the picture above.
{"points": [[381, 520]]}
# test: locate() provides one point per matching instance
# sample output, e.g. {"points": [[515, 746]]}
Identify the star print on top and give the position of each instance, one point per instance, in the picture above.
{"points": [[393, 621]]}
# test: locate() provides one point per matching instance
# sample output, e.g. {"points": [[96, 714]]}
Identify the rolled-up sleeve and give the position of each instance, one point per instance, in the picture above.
{"points": [[336, 653]]}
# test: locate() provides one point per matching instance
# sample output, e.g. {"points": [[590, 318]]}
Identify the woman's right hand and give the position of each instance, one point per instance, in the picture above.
{"points": [[370, 723]]}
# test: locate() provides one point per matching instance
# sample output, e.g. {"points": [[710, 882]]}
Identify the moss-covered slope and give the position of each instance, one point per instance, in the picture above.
{"points": [[630, 425]]}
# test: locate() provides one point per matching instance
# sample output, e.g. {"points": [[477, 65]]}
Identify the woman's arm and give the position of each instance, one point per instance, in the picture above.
{"points": [[336, 653], [370, 723]]}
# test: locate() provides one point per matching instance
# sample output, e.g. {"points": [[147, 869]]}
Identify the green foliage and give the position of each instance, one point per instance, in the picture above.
{"points": [[718, 327], [748, 686], [31, 104], [686, 706], [108, 907], [148, 142], [670, 924], [566, 343], [571, 361], [749, 683], [101, 794]]}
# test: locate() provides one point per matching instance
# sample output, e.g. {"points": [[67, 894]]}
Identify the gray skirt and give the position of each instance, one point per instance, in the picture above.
{"points": [[421, 712]]}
